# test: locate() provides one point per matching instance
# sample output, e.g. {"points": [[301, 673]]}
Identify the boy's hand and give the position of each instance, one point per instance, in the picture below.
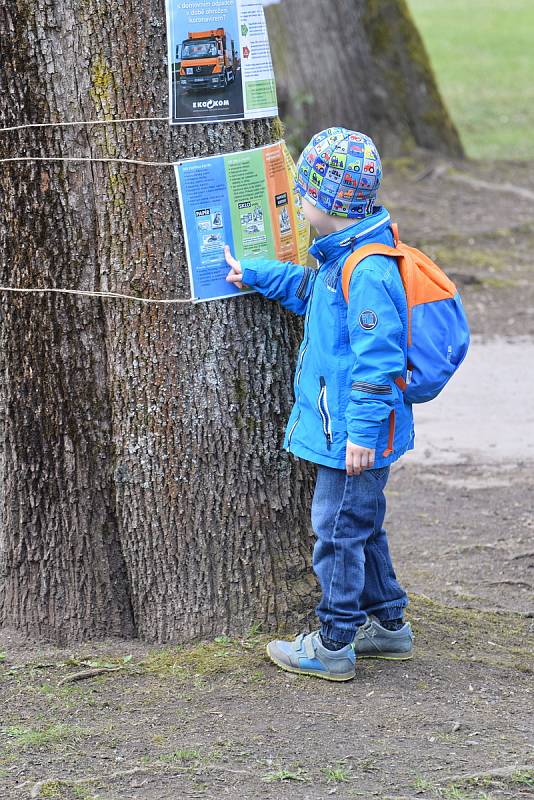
{"points": [[358, 458], [236, 273]]}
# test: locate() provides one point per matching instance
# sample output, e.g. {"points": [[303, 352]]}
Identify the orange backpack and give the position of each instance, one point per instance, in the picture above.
{"points": [[438, 332]]}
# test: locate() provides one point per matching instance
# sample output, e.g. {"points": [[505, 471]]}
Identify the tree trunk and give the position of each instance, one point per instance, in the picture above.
{"points": [[361, 64], [145, 491]]}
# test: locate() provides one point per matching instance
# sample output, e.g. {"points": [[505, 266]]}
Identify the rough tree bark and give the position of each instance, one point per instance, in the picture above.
{"points": [[144, 490], [361, 64]]}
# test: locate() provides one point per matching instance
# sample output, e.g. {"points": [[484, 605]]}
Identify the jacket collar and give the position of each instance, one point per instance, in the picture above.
{"points": [[333, 245]]}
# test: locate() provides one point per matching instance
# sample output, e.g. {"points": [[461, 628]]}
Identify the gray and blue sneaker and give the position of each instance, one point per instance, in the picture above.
{"points": [[374, 641], [308, 656]]}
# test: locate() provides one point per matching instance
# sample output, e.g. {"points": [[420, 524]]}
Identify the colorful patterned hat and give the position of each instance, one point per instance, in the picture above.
{"points": [[340, 172]]}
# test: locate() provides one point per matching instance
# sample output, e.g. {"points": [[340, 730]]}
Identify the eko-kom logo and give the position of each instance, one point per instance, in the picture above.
{"points": [[209, 104]]}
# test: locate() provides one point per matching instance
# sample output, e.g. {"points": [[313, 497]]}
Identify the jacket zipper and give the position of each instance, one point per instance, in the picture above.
{"points": [[322, 405], [299, 365], [297, 382], [290, 434]]}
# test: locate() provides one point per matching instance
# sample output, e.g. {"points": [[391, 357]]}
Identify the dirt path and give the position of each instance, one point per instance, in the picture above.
{"points": [[218, 721], [485, 415]]}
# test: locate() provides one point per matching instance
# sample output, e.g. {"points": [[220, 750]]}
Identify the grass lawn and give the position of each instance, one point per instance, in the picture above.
{"points": [[483, 56]]}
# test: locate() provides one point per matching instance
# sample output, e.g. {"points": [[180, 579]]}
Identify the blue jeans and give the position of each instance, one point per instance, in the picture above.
{"points": [[351, 555]]}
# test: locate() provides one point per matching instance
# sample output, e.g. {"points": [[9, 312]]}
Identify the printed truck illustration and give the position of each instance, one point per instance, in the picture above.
{"points": [[206, 61]]}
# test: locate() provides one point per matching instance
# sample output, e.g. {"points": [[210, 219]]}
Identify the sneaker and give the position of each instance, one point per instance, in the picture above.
{"points": [[308, 656], [374, 641]]}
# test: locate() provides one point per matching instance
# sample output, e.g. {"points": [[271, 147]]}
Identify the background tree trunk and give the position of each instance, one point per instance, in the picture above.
{"points": [[145, 491], [361, 64]]}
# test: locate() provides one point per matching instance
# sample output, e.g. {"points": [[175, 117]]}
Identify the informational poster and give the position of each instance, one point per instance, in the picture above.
{"points": [[219, 60], [245, 200]]}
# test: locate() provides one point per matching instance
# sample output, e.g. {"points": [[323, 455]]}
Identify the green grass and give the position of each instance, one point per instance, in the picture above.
{"points": [[483, 55], [181, 756], [27, 738], [223, 655], [525, 778], [286, 775], [422, 784], [337, 774], [65, 790]]}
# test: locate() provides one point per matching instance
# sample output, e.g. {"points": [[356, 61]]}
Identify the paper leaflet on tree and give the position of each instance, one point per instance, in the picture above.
{"points": [[245, 200], [219, 61]]}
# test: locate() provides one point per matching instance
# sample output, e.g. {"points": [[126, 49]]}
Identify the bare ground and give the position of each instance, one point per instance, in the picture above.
{"points": [[218, 721]]}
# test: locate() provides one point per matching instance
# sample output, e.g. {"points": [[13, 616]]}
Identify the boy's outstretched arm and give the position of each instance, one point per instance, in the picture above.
{"points": [[288, 283]]}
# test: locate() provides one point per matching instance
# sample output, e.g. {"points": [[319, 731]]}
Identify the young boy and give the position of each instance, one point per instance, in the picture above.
{"points": [[349, 416]]}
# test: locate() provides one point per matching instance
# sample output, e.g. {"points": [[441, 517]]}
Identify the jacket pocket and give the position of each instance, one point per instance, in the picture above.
{"points": [[322, 405]]}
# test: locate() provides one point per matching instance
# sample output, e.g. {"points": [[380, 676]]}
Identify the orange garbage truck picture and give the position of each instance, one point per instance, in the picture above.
{"points": [[207, 60]]}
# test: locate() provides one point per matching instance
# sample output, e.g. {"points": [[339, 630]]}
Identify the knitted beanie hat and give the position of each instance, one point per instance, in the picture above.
{"points": [[339, 172]]}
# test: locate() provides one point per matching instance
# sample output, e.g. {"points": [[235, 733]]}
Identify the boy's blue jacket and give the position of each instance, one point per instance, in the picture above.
{"points": [[350, 354]]}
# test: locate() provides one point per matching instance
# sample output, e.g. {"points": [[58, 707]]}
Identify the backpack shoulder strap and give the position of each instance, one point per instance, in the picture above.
{"points": [[358, 255]]}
